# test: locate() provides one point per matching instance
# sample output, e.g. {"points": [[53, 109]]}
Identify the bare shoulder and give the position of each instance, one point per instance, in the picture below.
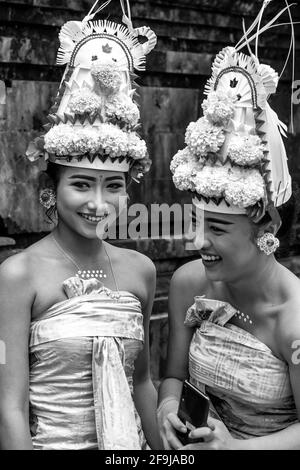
{"points": [[188, 281], [191, 278], [22, 265], [134, 260], [16, 268], [16, 281], [288, 325]]}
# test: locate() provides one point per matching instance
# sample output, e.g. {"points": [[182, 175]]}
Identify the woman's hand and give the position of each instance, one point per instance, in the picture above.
{"points": [[169, 422], [215, 437]]}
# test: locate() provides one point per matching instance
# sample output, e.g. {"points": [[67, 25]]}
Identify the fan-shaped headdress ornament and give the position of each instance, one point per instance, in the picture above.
{"points": [[235, 160], [93, 121]]}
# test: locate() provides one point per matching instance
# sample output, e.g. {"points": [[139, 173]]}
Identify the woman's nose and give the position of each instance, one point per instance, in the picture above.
{"points": [[201, 238], [206, 241], [97, 201]]}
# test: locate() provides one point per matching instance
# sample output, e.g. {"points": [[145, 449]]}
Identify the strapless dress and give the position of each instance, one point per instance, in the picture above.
{"points": [[82, 354], [248, 385]]}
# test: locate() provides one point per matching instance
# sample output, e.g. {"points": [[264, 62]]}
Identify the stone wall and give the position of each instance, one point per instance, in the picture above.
{"points": [[189, 33]]}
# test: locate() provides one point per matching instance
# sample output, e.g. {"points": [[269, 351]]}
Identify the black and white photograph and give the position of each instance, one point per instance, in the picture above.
{"points": [[150, 227]]}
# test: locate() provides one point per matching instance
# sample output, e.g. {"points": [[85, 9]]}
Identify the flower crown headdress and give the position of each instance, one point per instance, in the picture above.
{"points": [[93, 121], [235, 160]]}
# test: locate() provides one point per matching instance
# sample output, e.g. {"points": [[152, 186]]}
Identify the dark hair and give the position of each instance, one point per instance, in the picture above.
{"points": [[49, 179], [288, 213], [52, 172]]}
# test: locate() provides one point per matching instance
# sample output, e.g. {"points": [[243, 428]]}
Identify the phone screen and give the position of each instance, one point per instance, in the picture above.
{"points": [[193, 409]]}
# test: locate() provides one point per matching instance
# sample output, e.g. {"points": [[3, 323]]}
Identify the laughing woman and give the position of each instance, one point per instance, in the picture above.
{"points": [[81, 304], [235, 314]]}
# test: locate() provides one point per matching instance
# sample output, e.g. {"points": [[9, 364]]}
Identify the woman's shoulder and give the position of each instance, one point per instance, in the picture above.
{"points": [[187, 282], [191, 276], [16, 280], [16, 267], [133, 259], [288, 325], [22, 266]]}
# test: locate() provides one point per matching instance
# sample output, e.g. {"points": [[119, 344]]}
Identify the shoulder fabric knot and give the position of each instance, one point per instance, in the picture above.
{"points": [[211, 310], [75, 286]]}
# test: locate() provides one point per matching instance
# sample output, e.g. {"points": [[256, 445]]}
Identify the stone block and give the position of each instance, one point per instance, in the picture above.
{"points": [[27, 105], [19, 185]]}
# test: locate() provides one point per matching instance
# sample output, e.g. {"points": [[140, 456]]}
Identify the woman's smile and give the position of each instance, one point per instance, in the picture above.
{"points": [[91, 218], [210, 260]]}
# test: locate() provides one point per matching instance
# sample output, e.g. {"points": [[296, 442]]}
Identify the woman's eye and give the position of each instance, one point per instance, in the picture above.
{"points": [[115, 186], [81, 185], [215, 229]]}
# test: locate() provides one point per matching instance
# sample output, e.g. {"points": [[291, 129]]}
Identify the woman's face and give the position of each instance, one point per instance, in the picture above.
{"points": [[228, 247], [87, 197]]}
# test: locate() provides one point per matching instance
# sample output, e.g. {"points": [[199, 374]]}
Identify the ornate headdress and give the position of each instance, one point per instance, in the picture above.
{"points": [[93, 121], [234, 160]]}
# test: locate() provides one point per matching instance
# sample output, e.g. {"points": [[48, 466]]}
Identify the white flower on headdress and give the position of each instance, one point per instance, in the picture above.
{"points": [[202, 137], [182, 156], [113, 141], [84, 101], [122, 107], [59, 140], [106, 139], [85, 140], [245, 149], [108, 77], [218, 108], [136, 146], [245, 188], [211, 181], [183, 177]]}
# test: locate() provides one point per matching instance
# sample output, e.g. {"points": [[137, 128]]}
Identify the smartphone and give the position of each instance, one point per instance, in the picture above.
{"points": [[193, 410]]}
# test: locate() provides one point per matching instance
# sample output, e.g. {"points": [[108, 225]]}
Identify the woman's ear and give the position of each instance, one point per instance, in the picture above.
{"points": [[268, 227]]}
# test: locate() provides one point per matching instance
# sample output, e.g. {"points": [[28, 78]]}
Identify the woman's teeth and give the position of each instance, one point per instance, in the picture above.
{"points": [[93, 218], [210, 258]]}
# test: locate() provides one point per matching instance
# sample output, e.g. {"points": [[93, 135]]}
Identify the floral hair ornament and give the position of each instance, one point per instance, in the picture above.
{"points": [[235, 161], [47, 198], [93, 122]]}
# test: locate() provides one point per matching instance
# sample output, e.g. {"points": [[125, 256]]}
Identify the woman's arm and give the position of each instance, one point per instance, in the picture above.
{"points": [[145, 395], [181, 297], [16, 298]]}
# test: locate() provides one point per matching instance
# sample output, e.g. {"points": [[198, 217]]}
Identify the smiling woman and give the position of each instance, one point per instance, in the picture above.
{"points": [[234, 314], [81, 304]]}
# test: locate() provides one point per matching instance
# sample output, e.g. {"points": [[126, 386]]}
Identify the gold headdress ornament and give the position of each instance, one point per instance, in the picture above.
{"points": [[93, 121], [235, 160]]}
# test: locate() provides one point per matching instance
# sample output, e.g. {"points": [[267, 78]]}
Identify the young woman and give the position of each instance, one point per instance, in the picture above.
{"points": [[234, 327], [234, 314], [82, 304]]}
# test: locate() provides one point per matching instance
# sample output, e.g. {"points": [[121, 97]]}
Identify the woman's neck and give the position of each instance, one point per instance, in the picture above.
{"points": [[76, 244], [263, 283]]}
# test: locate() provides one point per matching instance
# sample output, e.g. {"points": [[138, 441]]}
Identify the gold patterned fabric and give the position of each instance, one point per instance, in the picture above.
{"points": [[247, 384], [82, 353]]}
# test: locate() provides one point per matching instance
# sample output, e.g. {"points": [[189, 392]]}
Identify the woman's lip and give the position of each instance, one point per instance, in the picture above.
{"points": [[100, 218], [208, 254], [210, 264]]}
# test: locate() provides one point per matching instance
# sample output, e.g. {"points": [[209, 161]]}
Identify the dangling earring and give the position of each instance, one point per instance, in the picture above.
{"points": [[47, 198], [268, 243]]}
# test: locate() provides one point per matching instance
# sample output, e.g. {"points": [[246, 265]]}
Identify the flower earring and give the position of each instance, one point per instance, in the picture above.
{"points": [[267, 243], [47, 198]]}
